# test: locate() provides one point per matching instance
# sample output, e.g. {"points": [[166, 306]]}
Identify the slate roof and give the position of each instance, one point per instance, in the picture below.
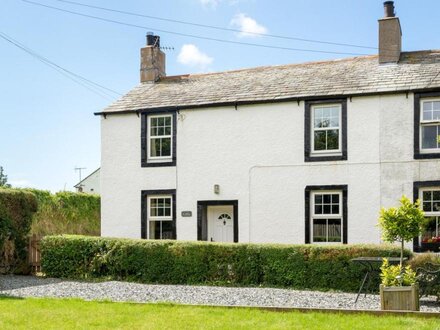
{"points": [[352, 76]]}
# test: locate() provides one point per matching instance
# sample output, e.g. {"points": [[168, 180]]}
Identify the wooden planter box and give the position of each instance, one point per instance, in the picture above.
{"points": [[399, 298]]}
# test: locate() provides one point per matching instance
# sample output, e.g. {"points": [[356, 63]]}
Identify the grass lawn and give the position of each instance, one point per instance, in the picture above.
{"points": [[74, 313]]}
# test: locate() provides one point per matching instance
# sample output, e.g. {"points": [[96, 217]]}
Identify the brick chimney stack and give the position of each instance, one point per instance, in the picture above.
{"points": [[390, 35], [152, 60]]}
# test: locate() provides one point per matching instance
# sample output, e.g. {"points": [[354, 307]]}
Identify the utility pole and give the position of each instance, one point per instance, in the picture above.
{"points": [[79, 169]]}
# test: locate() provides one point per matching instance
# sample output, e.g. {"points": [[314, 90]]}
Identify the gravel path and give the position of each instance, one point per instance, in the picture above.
{"points": [[29, 286]]}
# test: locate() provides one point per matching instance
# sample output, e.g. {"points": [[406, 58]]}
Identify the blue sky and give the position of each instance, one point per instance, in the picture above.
{"points": [[47, 121]]}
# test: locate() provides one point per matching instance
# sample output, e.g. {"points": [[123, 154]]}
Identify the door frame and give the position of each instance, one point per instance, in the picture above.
{"points": [[202, 208]]}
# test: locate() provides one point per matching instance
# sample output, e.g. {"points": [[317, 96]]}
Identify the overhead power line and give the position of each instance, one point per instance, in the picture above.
{"points": [[215, 27], [191, 35], [84, 82]]}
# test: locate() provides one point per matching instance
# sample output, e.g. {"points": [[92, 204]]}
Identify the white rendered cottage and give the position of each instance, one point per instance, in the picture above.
{"points": [[302, 153]]}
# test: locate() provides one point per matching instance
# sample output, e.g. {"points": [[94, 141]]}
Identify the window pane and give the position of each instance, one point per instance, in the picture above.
{"points": [[160, 131], [167, 211], [154, 230], [436, 195], [334, 230], [318, 199], [327, 198], [166, 147], [320, 143], [167, 230], [335, 112], [327, 209], [429, 137], [168, 121], [335, 209], [436, 105], [153, 122], [436, 206], [160, 121], [427, 106], [154, 147], [318, 209], [427, 195], [436, 115], [160, 212], [430, 229], [332, 139], [427, 206], [319, 230], [322, 122], [168, 130], [427, 115], [335, 198]]}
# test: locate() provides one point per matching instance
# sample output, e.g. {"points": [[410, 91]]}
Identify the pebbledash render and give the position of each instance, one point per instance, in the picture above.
{"points": [[302, 153]]}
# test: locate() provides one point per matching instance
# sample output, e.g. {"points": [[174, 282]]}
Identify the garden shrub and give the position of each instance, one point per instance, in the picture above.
{"points": [[178, 262], [66, 212], [16, 210]]}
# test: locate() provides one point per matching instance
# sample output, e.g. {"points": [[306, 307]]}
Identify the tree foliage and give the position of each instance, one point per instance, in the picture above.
{"points": [[403, 223], [3, 179]]}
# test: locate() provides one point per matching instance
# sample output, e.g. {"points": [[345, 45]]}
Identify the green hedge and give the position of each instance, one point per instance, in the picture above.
{"points": [[16, 210], [66, 213], [173, 262]]}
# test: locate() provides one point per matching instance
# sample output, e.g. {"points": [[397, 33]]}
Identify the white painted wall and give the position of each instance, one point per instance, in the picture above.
{"points": [[91, 184], [256, 155]]}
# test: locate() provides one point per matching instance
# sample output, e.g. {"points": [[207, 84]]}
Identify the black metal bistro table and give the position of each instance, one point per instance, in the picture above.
{"points": [[369, 263]]}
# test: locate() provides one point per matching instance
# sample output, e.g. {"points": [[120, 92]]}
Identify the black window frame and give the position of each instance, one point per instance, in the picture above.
{"points": [[315, 188], [416, 187], [144, 138], [144, 211], [308, 153], [418, 97]]}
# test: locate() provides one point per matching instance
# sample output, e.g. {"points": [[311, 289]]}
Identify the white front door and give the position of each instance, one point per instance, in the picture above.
{"points": [[221, 223]]}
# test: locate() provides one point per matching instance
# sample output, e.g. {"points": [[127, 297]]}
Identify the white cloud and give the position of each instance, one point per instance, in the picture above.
{"points": [[210, 3], [192, 56], [247, 25], [214, 3]]}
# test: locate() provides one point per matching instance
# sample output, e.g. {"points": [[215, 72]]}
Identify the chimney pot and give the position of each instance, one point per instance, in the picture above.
{"points": [[152, 60], [153, 40], [388, 7]]}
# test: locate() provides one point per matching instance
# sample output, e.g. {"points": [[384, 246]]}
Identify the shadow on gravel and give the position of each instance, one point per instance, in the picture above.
{"points": [[11, 282]]}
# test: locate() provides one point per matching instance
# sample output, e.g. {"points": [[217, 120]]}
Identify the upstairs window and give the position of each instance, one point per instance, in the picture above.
{"points": [[326, 136], [427, 125], [158, 139], [325, 130], [430, 126]]}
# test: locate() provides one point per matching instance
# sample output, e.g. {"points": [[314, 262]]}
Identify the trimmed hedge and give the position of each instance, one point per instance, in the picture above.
{"points": [[176, 262], [66, 212], [16, 210]]}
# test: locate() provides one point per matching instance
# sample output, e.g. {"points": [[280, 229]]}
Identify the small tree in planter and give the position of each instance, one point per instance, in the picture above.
{"points": [[402, 224]]}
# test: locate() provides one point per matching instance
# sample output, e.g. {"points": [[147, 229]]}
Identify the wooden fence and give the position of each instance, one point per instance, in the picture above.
{"points": [[34, 253]]}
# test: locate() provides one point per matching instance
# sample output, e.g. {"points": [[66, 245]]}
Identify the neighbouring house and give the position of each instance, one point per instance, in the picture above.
{"points": [[91, 184], [301, 153]]}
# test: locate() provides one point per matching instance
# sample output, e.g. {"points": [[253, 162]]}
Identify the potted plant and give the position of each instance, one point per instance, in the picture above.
{"points": [[399, 290]]}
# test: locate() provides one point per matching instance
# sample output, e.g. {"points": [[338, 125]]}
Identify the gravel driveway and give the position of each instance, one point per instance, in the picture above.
{"points": [[29, 286]]}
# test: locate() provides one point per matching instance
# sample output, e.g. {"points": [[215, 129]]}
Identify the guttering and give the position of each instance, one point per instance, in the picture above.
{"points": [[263, 101]]}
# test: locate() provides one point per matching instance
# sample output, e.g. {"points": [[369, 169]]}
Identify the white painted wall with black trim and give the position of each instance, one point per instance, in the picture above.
{"points": [[255, 153]]}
